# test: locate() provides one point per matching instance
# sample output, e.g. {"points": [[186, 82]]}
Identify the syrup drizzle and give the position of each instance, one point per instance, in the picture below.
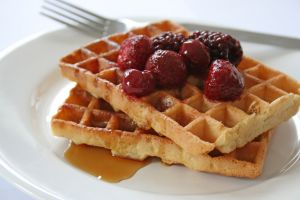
{"points": [[100, 163]]}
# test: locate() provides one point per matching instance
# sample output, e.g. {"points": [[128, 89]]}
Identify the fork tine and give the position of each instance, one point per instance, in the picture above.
{"points": [[99, 31], [105, 20], [88, 31], [100, 24]]}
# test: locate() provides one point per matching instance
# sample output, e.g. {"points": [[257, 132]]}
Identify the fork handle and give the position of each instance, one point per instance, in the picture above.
{"points": [[249, 36]]}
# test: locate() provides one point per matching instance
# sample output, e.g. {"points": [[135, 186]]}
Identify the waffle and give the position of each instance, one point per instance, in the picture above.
{"points": [[87, 120], [184, 115]]}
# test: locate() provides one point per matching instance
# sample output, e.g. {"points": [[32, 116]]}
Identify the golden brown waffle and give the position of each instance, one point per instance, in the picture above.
{"points": [[87, 120], [185, 115]]}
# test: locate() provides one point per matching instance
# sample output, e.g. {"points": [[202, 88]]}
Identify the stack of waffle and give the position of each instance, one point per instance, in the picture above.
{"points": [[179, 125]]}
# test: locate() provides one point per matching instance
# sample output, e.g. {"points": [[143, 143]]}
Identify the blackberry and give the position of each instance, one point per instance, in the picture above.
{"points": [[220, 45], [168, 41]]}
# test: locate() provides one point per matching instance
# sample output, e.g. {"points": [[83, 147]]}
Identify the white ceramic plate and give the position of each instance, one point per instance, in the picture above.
{"points": [[31, 89]]}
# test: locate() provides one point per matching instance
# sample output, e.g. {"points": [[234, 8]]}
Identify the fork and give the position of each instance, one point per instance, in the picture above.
{"points": [[84, 20], [99, 26]]}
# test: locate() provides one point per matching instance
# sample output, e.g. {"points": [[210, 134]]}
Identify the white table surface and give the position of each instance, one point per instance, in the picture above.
{"points": [[20, 19]]}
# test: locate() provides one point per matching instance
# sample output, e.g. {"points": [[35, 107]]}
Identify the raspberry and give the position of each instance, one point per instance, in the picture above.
{"points": [[168, 41], [196, 54], [134, 52], [138, 83], [168, 68], [224, 81], [220, 45]]}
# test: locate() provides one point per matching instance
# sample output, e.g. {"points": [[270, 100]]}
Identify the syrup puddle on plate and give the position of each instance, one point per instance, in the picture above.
{"points": [[100, 163]]}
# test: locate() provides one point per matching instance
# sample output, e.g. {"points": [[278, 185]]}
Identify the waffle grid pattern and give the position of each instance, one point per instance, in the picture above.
{"points": [[87, 120], [185, 115]]}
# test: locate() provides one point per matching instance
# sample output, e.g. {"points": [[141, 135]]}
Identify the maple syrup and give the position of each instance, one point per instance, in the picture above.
{"points": [[99, 162]]}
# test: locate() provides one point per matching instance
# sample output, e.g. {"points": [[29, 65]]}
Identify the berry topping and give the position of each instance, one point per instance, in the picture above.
{"points": [[138, 83], [134, 52], [168, 68], [224, 81], [220, 45], [168, 41], [196, 54]]}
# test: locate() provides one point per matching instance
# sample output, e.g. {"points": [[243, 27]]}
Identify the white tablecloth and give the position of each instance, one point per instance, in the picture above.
{"points": [[20, 19]]}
